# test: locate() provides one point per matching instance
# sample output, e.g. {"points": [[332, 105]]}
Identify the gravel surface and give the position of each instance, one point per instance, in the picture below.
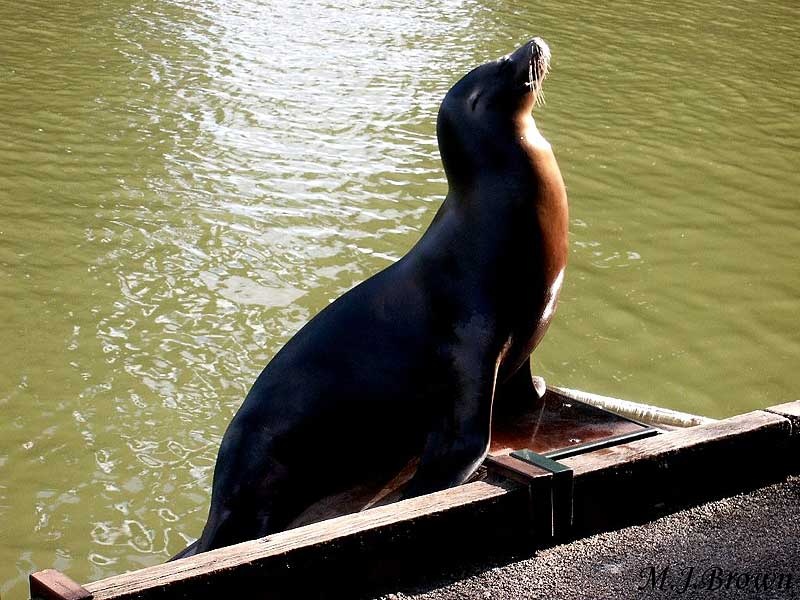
{"points": [[747, 546]]}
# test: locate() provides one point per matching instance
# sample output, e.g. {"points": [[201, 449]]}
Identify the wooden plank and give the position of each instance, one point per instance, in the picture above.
{"points": [[519, 470], [641, 480], [54, 585], [737, 431], [787, 408], [791, 411], [291, 563], [612, 486]]}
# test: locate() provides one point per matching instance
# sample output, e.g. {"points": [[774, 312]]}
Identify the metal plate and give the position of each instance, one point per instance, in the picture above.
{"points": [[558, 427]]}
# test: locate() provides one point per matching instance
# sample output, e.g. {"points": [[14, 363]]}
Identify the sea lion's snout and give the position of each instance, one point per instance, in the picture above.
{"points": [[540, 49], [538, 67], [531, 63]]}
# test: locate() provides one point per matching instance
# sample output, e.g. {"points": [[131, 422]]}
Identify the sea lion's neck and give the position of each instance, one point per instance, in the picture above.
{"points": [[529, 135], [505, 152], [509, 183]]}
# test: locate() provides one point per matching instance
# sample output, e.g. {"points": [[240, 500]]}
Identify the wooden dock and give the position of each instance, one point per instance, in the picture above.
{"points": [[525, 498]]}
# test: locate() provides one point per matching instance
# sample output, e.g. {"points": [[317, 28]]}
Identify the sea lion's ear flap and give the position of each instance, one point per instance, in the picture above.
{"points": [[473, 99]]}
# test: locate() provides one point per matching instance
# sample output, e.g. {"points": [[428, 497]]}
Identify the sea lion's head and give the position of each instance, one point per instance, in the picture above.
{"points": [[490, 103], [508, 85]]}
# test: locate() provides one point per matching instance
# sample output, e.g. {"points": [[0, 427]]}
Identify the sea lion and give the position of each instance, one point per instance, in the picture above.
{"points": [[400, 373]]}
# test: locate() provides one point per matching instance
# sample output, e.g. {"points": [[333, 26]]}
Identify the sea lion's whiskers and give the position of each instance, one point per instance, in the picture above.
{"points": [[537, 73], [531, 80], [539, 100]]}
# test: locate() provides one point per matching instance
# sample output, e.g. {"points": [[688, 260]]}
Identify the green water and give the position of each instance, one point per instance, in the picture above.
{"points": [[184, 184]]}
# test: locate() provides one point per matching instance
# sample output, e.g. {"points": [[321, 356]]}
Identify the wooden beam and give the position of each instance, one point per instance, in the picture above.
{"points": [[614, 486], [791, 411], [54, 585], [293, 563], [644, 479]]}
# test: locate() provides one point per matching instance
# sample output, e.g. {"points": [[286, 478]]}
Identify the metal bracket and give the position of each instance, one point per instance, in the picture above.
{"points": [[561, 490]]}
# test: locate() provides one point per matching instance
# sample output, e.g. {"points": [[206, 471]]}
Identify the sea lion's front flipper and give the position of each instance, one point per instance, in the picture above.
{"points": [[459, 440]]}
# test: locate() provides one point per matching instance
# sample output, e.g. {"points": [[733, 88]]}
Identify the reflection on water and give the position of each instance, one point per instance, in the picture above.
{"points": [[183, 184]]}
